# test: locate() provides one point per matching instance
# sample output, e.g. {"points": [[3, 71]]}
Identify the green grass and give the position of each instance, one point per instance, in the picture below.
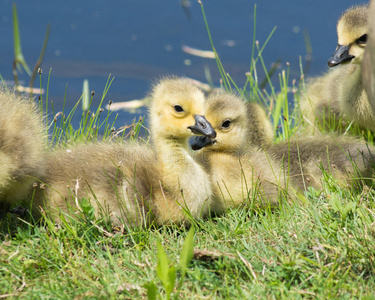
{"points": [[319, 248]]}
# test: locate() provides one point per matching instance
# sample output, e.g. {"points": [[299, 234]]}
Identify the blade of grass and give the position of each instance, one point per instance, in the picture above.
{"points": [[40, 59], [18, 55], [218, 62]]}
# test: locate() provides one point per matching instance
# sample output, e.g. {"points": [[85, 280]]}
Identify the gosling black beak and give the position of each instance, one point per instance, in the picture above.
{"points": [[341, 55], [202, 127], [201, 142]]}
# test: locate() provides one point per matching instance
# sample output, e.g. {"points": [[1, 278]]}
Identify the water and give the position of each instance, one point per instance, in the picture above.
{"points": [[139, 41]]}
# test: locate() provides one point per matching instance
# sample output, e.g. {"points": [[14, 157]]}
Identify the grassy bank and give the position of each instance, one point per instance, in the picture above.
{"points": [[321, 249]]}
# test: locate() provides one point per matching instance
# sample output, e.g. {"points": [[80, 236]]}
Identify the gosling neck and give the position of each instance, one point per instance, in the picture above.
{"points": [[183, 177], [169, 147], [352, 87], [212, 157]]}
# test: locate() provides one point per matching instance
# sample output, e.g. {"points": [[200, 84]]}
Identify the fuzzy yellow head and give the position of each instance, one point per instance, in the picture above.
{"points": [[228, 116], [352, 36], [177, 110]]}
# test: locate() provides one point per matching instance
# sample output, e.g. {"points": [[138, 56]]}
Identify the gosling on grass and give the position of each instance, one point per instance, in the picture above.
{"points": [[294, 165], [22, 148], [240, 171], [136, 183], [340, 92]]}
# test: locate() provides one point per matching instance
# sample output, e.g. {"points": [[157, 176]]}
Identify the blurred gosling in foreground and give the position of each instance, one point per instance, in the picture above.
{"points": [[22, 148]]}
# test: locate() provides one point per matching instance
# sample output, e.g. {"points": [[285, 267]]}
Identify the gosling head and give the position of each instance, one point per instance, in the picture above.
{"points": [[228, 116], [177, 110], [352, 36]]}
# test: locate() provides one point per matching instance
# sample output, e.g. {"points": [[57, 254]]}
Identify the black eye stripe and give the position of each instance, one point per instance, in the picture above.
{"points": [[178, 108]]}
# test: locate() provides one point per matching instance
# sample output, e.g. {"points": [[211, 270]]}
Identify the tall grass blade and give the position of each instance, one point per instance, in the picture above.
{"points": [[40, 59], [18, 55], [218, 62]]}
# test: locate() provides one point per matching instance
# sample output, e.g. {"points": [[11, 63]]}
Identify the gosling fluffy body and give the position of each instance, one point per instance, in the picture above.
{"points": [[305, 159], [113, 176], [137, 183], [22, 148]]}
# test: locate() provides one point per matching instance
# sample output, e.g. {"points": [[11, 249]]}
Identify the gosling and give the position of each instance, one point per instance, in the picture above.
{"points": [[340, 93], [137, 184], [240, 172], [22, 148], [303, 161]]}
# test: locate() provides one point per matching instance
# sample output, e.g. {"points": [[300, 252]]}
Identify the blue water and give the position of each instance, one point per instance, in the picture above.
{"points": [[137, 41]]}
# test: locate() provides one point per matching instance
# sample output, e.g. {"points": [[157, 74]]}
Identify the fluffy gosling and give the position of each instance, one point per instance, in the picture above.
{"points": [[22, 148], [240, 171], [136, 183], [340, 92], [302, 161]]}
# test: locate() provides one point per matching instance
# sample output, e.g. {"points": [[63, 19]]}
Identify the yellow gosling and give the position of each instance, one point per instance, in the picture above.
{"points": [[240, 171], [340, 92], [294, 165], [137, 183]]}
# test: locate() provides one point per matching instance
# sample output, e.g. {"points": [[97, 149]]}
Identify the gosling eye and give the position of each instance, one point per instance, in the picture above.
{"points": [[226, 124], [362, 40], [178, 108]]}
